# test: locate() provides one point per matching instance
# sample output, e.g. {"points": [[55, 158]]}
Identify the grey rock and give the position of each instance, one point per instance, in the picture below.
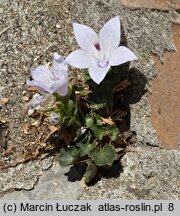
{"points": [[141, 124], [147, 174], [22, 177], [52, 185]]}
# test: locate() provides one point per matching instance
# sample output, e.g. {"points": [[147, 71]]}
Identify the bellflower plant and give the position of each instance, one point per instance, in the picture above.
{"points": [[92, 118], [52, 79], [99, 51]]}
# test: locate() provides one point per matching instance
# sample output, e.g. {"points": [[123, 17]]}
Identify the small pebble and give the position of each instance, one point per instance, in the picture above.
{"points": [[5, 101]]}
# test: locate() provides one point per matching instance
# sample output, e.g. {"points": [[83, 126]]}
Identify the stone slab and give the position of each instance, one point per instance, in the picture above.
{"points": [[51, 185], [23, 176], [147, 174]]}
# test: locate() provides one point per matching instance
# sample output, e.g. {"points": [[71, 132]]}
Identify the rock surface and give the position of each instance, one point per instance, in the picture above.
{"points": [[147, 174], [152, 4], [24, 176], [52, 185]]}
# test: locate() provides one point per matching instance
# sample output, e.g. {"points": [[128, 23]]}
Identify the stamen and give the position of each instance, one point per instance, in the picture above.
{"points": [[103, 64]]}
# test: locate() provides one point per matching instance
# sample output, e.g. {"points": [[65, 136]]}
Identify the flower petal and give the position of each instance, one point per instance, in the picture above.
{"points": [[61, 87], [30, 111], [121, 55], [59, 66], [109, 35], [97, 74], [78, 59], [57, 57], [39, 85], [86, 37], [42, 74], [36, 100]]}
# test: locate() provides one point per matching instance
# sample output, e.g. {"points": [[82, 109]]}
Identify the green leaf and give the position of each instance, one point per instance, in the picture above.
{"points": [[113, 132], [90, 173], [69, 156], [72, 121], [100, 133], [89, 122], [98, 130], [86, 75], [71, 106], [95, 123], [96, 106], [84, 149], [106, 156]]}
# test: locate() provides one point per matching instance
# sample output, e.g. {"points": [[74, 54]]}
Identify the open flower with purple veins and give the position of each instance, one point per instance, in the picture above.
{"points": [[99, 52], [51, 79]]}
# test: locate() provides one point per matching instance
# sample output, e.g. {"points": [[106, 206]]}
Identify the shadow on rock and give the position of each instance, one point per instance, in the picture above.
{"points": [[130, 94], [77, 171]]}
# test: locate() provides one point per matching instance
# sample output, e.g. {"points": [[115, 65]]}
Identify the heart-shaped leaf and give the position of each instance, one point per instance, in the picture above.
{"points": [[69, 156], [106, 156], [89, 122], [95, 123], [84, 149]]}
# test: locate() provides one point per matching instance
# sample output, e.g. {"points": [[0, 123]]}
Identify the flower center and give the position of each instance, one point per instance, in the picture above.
{"points": [[102, 63]]}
